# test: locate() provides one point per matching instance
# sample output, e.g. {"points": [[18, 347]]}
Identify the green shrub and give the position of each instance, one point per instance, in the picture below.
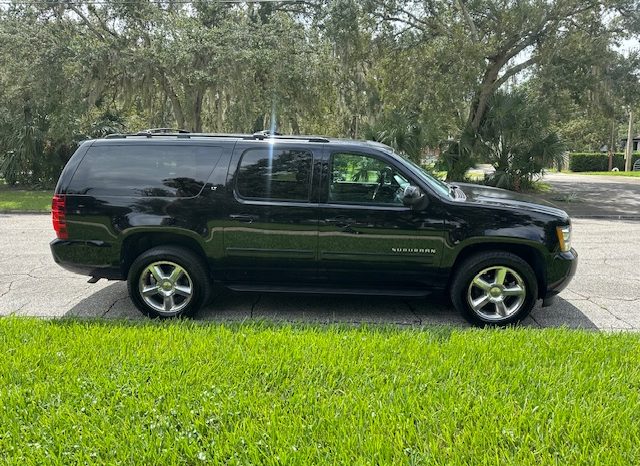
{"points": [[596, 161]]}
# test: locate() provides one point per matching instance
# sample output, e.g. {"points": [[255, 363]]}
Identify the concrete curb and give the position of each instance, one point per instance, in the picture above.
{"points": [[24, 212], [635, 218]]}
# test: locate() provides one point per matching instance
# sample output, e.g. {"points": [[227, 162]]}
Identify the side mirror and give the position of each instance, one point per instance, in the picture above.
{"points": [[413, 197]]}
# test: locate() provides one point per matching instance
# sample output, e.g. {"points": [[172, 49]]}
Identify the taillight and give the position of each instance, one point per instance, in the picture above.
{"points": [[58, 216]]}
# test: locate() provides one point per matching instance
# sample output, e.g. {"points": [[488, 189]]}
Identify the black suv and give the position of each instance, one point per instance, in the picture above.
{"points": [[176, 213]]}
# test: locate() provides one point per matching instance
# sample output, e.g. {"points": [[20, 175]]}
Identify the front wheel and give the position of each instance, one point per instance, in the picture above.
{"points": [[494, 288], [168, 281]]}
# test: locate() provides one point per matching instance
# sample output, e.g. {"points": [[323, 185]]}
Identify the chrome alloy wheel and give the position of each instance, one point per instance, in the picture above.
{"points": [[496, 293], [166, 287]]}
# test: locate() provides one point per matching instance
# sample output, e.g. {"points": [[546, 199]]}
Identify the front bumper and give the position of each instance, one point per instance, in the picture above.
{"points": [[561, 270]]}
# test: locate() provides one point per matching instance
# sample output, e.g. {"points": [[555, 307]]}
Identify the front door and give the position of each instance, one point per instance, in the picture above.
{"points": [[368, 238], [271, 228]]}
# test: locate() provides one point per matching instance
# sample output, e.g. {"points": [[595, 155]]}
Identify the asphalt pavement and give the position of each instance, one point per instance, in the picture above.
{"points": [[605, 294], [595, 196]]}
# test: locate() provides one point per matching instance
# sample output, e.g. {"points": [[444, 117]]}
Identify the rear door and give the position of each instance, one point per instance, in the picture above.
{"points": [[271, 230], [368, 238]]}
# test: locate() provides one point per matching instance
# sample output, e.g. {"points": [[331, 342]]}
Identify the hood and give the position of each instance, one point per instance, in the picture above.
{"points": [[489, 196]]}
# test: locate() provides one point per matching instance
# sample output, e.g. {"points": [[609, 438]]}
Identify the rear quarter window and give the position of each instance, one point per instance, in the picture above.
{"points": [[154, 170]]}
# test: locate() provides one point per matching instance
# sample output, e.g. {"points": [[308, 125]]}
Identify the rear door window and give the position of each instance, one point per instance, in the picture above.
{"points": [[275, 174], [153, 170]]}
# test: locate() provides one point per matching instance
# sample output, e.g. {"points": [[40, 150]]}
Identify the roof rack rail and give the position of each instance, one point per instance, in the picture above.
{"points": [[266, 133], [181, 135], [150, 132], [165, 130], [161, 131], [261, 135], [275, 135]]}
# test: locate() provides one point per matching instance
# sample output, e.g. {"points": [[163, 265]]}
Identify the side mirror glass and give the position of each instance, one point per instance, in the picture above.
{"points": [[412, 197]]}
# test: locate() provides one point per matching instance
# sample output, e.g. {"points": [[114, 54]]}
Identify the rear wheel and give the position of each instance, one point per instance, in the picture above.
{"points": [[494, 288], [168, 281]]}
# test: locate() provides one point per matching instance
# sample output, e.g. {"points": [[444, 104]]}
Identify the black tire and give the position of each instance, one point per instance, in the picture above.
{"points": [[196, 278], [462, 291]]}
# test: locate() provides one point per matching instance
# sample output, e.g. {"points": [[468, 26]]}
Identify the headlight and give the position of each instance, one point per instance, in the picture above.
{"points": [[564, 237]]}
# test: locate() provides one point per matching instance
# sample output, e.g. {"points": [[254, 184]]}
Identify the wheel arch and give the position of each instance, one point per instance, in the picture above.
{"points": [[528, 253], [137, 243]]}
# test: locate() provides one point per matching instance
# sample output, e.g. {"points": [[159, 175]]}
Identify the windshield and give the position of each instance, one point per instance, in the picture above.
{"points": [[440, 186], [437, 185]]}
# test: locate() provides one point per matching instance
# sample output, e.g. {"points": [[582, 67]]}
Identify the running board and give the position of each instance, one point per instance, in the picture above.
{"points": [[326, 290]]}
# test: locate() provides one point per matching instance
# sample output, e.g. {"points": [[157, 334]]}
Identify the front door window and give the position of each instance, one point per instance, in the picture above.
{"points": [[361, 179]]}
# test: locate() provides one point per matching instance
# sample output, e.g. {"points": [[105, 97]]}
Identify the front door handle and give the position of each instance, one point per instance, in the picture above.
{"points": [[244, 218], [340, 221]]}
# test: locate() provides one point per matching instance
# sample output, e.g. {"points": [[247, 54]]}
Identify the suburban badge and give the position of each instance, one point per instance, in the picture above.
{"points": [[414, 250]]}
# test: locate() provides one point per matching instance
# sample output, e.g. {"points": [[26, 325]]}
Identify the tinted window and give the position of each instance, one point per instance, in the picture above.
{"points": [[359, 179], [145, 170], [275, 174]]}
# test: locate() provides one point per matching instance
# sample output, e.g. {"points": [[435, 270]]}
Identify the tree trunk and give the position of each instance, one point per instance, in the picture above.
{"points": [[629, 148], [175, 103], [220, 111], [258, 124], [196, 111], [612, 143], [353, 127], [295, 127], [484, 93]]}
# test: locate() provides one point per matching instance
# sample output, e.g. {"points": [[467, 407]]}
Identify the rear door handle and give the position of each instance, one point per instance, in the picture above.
{"points": [[244, 218], [341, 221]]}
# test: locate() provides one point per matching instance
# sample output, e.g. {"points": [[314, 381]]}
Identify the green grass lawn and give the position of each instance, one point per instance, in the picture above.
{"points": [[12, 200], [632, 174], [188, 393]]}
